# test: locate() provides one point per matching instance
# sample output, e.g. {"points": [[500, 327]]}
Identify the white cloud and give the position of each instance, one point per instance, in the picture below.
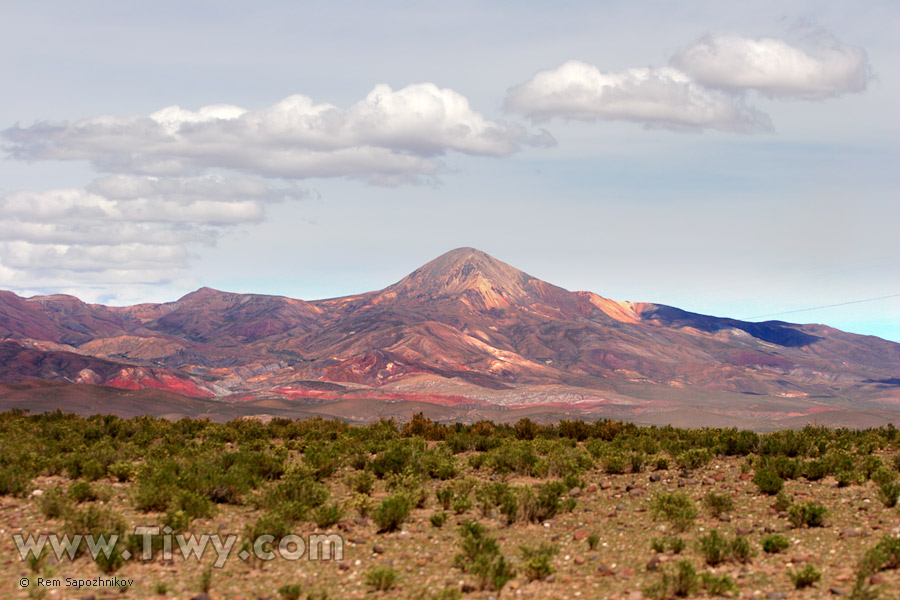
{"points": [[122, 228], [655, 97], [775, 68], [388, 137]]}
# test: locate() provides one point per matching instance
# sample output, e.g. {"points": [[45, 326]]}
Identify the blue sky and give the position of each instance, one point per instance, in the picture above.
{"points": [[730, 158]]}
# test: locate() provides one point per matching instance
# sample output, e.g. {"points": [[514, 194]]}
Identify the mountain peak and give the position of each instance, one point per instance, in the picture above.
{"points": [[468, 273]]}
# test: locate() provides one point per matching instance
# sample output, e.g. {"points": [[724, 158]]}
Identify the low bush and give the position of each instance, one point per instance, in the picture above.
{"points": [[536, 560], [768, 481], [718, 504], [675, 507], [773, 544], [811, 514], [806, 577], [680, 582], [392, 512], [381, 579], [480, 555]]}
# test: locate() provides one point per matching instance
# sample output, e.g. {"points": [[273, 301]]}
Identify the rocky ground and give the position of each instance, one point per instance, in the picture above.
{"points": [[616, 508]]}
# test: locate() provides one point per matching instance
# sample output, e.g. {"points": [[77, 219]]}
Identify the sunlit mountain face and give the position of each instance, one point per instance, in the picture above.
{"points": [[463, 336]]}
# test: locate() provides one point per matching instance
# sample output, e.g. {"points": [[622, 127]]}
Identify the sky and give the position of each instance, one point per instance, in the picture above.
{"points": [[729, 158]]}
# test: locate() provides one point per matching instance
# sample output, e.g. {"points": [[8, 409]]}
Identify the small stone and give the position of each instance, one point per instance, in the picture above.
{"points": [[655, 477], [578, 560], [575, 492], [590, 489], [636, 595], [725, 518], [605, 571], [37, 493], [200, 597], [581, 534], [838, 591], [378, 549], [344, 566], [776, 596], [356, 540], [468, 588], [605, 485]]}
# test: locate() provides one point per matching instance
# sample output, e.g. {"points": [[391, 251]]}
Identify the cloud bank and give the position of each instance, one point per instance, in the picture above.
{"points": [[163, 190], [389, 137], [703, 88], [122, 228], [773, 67], [655, 97]]}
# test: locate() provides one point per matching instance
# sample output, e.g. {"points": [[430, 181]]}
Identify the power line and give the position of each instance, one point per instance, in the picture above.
{"points": [[787, 312]]}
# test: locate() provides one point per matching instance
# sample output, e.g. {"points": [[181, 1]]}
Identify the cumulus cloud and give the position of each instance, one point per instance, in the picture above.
{"points": [[388, 137], [655, 97], [122, 228], [774, 67]]}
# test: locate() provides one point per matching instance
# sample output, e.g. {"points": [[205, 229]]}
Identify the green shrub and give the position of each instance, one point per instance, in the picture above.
{"points": [[889, 493], [82, 491], [614, 463], [669, 543], [714, 547], [445, 497], [462, 504], [480, 555], [693, 458], [718, 585], [536, 561], [381, 579], [549, 501], [592, 541], [773, 544], [805, 577], [847, 477], [741, 550], [675, 507], [54, 503], [328, 514], [768, 481], [363, 482], [392, 512], [205, 583], [290, 591], [678, 584], [121, 471], [810, 514], [718, 504], [882, 556], [490, 495], [637, 462], [782, 501], [438, 519], [178, 520], [14, 481], [815, 470]]}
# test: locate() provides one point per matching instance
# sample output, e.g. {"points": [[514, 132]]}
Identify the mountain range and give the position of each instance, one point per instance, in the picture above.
{"points": [[464, 337]]}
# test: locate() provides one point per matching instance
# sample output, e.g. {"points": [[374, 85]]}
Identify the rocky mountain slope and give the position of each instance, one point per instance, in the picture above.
{"points": [[464, 329]]}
